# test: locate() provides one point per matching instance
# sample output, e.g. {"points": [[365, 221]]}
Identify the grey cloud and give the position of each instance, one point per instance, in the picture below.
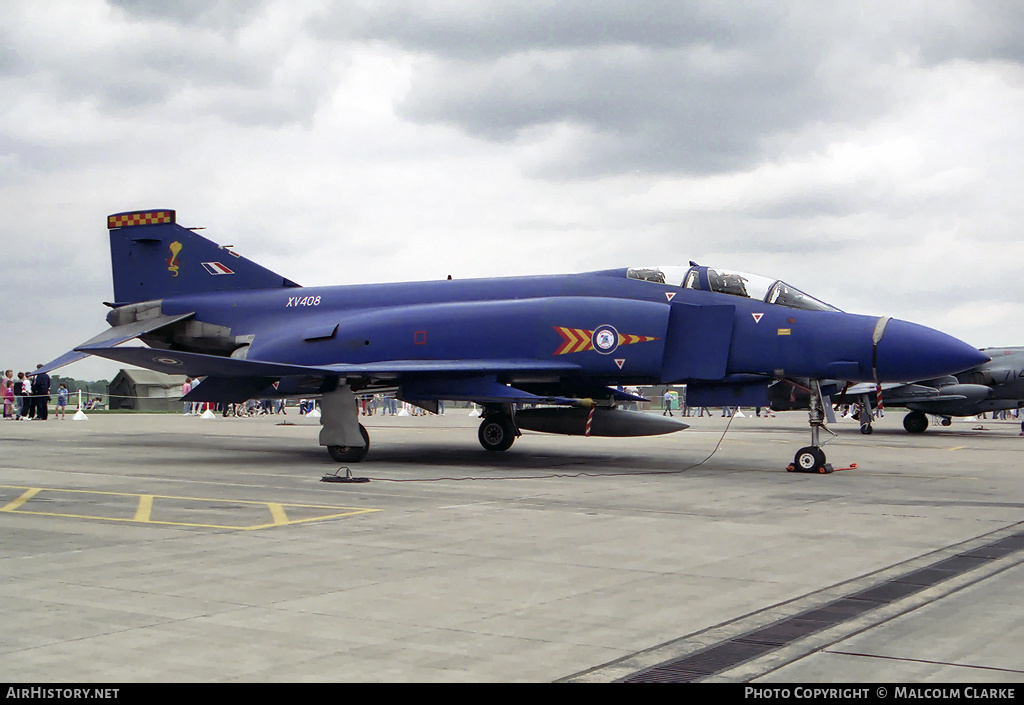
{"points": [[692, 88], [978, 31], [480, 30], [215, 14], [203, 75], [688, 110]]}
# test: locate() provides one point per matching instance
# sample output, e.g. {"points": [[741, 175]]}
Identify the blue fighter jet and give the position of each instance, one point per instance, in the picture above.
{"points": [[560, 344]]}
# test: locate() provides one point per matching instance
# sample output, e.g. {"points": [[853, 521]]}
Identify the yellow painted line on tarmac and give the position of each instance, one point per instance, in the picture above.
{"points": [[32, 492], [277, 512], [958, 447], [146, 502], [145, 509]]}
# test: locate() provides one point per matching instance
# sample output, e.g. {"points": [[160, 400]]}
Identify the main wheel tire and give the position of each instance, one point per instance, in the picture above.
{"points": [[915, 422], [946, 421], [496, 433], [809, 459], [351, 454]]}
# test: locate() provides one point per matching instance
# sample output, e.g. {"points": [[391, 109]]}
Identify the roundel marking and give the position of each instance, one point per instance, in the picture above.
{"points": [[605, 339], [167, 360]]}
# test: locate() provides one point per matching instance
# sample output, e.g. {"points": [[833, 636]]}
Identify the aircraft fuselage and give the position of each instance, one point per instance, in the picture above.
{"points": [[608, 326]]}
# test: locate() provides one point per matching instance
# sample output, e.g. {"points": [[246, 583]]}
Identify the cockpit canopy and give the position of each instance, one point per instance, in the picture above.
{"points": [[751, 286]]}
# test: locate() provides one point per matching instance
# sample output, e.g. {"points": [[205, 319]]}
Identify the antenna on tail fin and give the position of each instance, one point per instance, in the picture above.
{"points": [[152, 257]]}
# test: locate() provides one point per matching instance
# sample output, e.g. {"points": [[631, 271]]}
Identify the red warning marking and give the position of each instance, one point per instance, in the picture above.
{"points": [[670, 295], [620, 362], [757, 317]]}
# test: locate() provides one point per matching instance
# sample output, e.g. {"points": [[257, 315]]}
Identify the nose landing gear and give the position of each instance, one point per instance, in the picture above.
{"points": [[812, 458]]}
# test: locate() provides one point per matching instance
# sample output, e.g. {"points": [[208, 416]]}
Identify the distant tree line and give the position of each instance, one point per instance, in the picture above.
{"points": [[88, 388]]}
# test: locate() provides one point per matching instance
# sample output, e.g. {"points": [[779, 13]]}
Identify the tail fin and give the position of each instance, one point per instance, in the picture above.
{"points": [[153, 257]]}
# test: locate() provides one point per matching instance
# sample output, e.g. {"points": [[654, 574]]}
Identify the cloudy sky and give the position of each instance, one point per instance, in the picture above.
{"points": [[870, 153]]}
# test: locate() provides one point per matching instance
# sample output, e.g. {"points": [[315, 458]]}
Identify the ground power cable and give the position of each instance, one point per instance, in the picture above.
{"points": [[349, 478]]}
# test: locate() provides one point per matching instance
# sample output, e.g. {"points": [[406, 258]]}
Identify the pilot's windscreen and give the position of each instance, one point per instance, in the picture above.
{"points": [[785, 295]]}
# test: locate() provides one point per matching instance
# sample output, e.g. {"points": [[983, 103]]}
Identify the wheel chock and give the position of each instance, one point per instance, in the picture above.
{"points": [[825, 469], [347, 477]]}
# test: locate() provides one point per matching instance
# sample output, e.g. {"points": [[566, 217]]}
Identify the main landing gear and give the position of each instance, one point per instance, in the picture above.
{"points": [[498, 430], [864, 415], [344, 437], [351, 454], [812, 458], [916, 422]]}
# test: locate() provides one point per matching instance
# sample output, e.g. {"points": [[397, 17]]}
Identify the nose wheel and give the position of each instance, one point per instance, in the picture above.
{"points": [[810, 459]]}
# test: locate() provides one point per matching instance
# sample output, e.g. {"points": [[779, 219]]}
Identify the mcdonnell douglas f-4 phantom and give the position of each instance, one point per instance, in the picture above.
{"points": [[997, 385], [562, 343]]}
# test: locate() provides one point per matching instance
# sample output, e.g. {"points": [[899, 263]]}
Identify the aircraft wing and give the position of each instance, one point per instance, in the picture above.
{"points": [[234, 379], [200, 365], [395, 369], [900, 394], [894, 393]]}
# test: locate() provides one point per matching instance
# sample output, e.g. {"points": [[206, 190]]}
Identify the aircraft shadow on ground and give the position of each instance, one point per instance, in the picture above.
{"points": [[932, 432], [480, 462], [271, 453]]}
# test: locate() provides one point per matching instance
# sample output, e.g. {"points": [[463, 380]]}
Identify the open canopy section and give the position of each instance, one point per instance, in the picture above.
{"points": [[750, 286]]}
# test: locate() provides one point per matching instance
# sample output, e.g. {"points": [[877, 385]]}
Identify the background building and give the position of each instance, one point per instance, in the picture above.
{"points": [[145, 390]]}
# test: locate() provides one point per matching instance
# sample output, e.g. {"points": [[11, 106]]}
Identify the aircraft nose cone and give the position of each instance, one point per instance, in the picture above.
{"points": [[908, 352]]}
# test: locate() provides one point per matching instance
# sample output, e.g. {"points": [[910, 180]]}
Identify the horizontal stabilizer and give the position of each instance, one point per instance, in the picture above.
{"points": [[65, 359], [114, 336], [198, 365]]}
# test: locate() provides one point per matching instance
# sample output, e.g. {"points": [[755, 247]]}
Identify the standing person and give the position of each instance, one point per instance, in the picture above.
{"points": [[28, 407], [197, 406], [62, 400], [19, 396], [185, 389], [8, 392], [41, 390], [668, 404]]}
